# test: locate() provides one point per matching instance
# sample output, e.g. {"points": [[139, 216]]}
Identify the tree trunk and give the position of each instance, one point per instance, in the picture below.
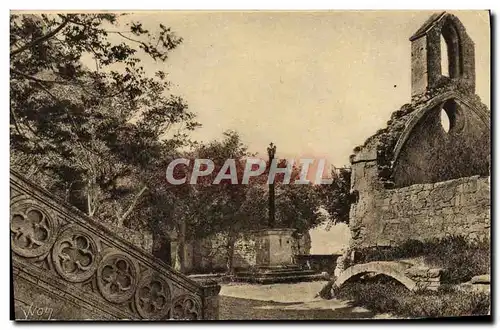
{"points": [[176, 262], [162, 246], [231, 240], [181, 247], [125, 215]]}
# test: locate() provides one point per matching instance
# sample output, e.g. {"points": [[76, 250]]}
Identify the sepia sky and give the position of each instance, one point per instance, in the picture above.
{"points": [[315, 83]]}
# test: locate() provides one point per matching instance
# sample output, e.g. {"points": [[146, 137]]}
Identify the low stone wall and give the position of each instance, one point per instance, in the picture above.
{"points": [[65, 266], [423, 211], [210, 254], [318, 262], [426, 278]]}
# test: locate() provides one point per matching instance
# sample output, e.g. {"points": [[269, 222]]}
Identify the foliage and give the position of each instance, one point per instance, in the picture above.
{"points": [[240, 207], [383, 295], [336, 197], [101, 136], [207, 210], [227, 207], [450, 253], [91, 134], [298, 207]]}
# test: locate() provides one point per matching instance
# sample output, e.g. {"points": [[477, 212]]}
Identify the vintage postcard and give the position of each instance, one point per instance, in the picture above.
{"points": [[250, 165]]}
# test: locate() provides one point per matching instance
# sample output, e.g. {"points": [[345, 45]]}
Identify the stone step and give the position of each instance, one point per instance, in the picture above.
{"points": [[270, 269], [280, 279], [275, 273], [291, 266], [277, 270], [210, 278]]}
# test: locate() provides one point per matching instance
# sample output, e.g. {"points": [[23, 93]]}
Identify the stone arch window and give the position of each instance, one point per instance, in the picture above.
{"points": [[451, 60], [445, 66], [445, 121], [441, 48], [449, 116]]}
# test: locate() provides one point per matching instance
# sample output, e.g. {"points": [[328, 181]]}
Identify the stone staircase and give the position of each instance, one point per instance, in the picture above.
{"points": [[80, 270]]}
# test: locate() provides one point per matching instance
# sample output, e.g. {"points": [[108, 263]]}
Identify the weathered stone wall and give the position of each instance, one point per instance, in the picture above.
{"points": [[318, 262], [419, 79], [210, 254], [423, 211], [425, 277], [66, 266], [415, 178], [244, 252], [302, 244]]}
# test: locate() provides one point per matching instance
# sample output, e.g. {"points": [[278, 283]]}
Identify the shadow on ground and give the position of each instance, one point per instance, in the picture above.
{"points": [[231, 308]]}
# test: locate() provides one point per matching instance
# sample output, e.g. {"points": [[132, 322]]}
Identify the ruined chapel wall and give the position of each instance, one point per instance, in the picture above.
{"points": [[431, 154], [423, 211], [427, 72], [422, 177]]}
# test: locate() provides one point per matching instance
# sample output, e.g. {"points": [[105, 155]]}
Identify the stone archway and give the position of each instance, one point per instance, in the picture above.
{"points": [[395, 270]]}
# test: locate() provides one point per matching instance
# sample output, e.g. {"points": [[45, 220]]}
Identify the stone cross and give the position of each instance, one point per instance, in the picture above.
{"points": [[271, 151]]}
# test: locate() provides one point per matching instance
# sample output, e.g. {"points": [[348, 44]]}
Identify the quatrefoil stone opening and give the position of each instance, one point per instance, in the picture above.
{"points": [[32, 231]]}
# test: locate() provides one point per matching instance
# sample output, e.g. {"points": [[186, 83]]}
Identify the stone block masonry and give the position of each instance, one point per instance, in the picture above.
{"points": [[418, 178], [425, 211], [425, 278], [211, 255], [244, 252]]}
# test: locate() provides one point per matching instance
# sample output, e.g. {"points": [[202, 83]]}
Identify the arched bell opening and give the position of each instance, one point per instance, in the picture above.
{"points": [[451, 52]]}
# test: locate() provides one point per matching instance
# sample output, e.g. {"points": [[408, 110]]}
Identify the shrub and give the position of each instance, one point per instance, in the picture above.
{"points": [[389, 296], [460, 258]]}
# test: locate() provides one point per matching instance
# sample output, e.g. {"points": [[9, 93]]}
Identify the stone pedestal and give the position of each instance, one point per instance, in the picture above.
{"points": [[274, 260], [274, 247], [211, 301]]}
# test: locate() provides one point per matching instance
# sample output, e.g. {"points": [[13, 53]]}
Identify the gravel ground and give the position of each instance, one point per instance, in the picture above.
{"points": [[248, 309], [283, 302]]}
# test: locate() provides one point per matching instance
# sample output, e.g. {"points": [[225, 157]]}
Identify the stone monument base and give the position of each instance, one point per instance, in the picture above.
{"points": [[274, 247], [274, 260]]}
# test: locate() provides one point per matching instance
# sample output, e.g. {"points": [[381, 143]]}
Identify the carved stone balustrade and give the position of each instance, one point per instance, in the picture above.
{"points": [[68, 267]]}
